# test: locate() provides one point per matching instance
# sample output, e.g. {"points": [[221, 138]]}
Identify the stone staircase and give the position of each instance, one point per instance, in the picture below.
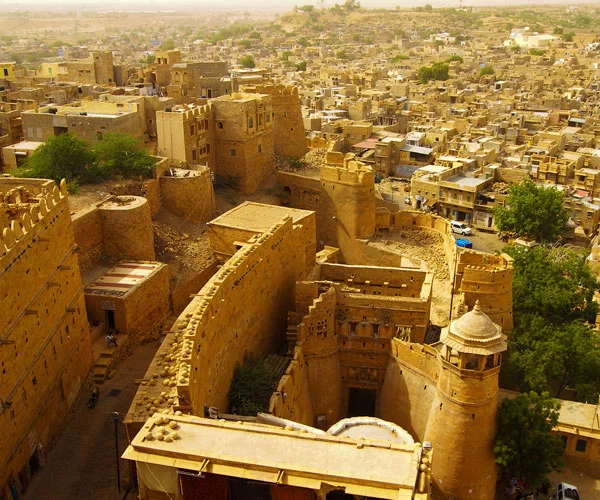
{"points": [[105, 357]]}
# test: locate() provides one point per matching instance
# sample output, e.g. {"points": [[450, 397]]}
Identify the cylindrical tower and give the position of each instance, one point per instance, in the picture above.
{"points": [[127, 228], [462, 423]]}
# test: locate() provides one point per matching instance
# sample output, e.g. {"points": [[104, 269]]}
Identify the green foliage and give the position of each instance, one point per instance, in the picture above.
{"points": [[568, 37], [487, 70], [307, 8], [69, 157], [245, 43], [399, 57], [251, 388], [168, 45], [533, 211], [285, 55], [301, 66], [516, 49], [342, 54], [62, 157], [537, 52], [303, 42], [553, 343], [558, 30], [454, 58], [525, 446], [13, 56], [235, 30], [437, 71], [247, 61], [123, 155]]}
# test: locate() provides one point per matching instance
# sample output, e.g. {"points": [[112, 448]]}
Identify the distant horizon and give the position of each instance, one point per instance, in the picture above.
{"points": [[254, 5]]}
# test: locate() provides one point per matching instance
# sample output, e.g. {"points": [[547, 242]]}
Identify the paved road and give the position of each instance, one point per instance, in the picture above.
{"points": [[483, 241], [82, 463]]}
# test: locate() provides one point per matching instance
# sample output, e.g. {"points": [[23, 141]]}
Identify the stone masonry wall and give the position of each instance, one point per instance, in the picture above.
{"points": [[89, 236], [46, 352], [291, 400], [241, 310]]}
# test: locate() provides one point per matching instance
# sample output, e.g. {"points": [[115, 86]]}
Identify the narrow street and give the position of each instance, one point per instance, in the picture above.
{"points": [[82, 464]]}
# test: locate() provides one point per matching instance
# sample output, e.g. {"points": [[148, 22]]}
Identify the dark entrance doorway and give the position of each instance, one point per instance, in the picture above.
{"points": [[242, 489], [339, 495], [110, 319], [361, 402]]}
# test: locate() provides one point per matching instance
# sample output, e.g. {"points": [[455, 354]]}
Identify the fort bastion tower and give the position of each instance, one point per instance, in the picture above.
{"points": [[462, 421]]}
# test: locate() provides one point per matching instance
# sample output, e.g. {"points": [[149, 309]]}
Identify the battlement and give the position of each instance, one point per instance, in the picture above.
{"points": [[28, 225], [346, 170]]}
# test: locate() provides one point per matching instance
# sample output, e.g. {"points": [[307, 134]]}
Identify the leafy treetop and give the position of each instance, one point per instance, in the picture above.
{"points": [[525, 446], [532, 211]]}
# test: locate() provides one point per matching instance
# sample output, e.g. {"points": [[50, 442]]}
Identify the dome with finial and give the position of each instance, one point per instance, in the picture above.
{"points": [[475, 324], [476, 333]]}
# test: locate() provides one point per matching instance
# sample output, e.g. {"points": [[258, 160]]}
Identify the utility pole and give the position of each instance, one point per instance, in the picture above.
{"points": [[116, 417]]}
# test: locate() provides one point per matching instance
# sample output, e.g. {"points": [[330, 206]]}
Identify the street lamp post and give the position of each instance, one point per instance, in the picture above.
{"points": [[116, 417]]}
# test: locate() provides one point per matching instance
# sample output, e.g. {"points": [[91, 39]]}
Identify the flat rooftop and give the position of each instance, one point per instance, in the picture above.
{"points": [[461, 180], [364, 466], [122, 278], [258, 217]]}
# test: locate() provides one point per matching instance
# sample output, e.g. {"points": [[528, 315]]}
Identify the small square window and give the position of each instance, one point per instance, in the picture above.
{"points": [[581, 445], [232, 152], [219, 124]]}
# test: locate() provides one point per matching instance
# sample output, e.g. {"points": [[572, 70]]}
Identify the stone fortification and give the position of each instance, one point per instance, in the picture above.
{"points": [[45, 349], [189, 194], [256, 287], [120, 227]]}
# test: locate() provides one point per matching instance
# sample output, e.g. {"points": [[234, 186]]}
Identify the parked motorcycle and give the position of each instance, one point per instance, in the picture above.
{"points": [[93, 397]]}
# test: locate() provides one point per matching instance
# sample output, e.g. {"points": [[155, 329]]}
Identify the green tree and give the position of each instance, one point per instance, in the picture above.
{"points": [[454, 58], [13, 56], [301, 66], [61, 157], [525, 446], [307, 8], [168, 45], [247, 61], [437, 71], [486, 70], [119, 154], [533, 211], [251, 388], [568, 37], [553, 343], [425, 74]]}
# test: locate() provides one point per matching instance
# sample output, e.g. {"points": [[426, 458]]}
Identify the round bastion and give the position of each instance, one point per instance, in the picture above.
{"points": [[127, 228]]}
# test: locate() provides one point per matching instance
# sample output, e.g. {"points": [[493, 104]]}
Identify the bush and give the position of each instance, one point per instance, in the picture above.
{"points": [[248, 62], [66, 156], [487, 70]]}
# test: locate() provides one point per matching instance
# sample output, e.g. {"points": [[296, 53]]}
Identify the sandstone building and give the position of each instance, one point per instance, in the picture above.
{"points": [[233, 135], [45, 350], [358, 344]]}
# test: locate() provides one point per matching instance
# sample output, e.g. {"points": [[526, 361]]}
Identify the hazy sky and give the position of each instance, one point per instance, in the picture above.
{"points": [[281, 5]]}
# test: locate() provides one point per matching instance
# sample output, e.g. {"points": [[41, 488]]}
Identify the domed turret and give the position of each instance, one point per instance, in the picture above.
{"points": [[476, 340]]}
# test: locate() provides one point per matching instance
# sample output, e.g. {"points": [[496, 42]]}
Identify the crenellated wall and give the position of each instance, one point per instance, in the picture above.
{"points": [[45, 350], [487, 278], [479, 276], [256, 286]]}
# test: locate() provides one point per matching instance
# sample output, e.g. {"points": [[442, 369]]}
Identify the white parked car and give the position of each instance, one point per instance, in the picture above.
{"points": [[565, 491], [460, 228]]}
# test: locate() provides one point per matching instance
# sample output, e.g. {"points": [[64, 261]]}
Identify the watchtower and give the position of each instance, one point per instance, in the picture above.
{"points": [[462, 423]]}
